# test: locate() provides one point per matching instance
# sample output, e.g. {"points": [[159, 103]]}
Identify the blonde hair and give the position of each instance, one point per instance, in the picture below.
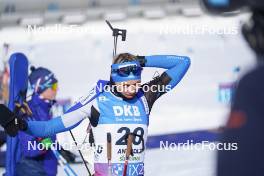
{"points": [[124, 57]]}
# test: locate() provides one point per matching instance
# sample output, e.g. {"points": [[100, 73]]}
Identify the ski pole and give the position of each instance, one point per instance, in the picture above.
{"points": [[109, 153], [81, 154], [129, 152]]}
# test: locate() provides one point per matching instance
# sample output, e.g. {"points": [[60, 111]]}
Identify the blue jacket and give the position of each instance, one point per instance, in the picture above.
{"points": [[45, 158]]}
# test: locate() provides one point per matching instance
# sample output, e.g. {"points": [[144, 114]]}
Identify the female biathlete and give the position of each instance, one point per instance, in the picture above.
{"points": [[120, 109]]}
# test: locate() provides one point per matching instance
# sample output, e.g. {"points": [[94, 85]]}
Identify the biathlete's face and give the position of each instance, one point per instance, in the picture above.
{"points": [[128, 88], [127, 78]]}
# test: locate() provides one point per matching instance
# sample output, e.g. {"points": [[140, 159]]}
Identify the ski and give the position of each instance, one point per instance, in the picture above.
{"points": [[18, 65]]}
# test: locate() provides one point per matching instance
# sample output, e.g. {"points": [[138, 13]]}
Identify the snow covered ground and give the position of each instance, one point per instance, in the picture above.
{"points": [[79, 58]]}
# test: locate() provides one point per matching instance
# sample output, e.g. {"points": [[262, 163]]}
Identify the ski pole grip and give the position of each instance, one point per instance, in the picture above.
{"points": [[123, 33], [109, 146], [130, 139]]}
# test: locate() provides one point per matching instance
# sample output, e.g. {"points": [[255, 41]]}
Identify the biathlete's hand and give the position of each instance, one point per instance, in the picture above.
{"points": [[11, 122], [17, 124]]}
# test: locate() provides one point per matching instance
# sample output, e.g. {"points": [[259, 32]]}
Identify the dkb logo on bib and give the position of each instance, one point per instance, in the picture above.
{"points": [[126, 110]]}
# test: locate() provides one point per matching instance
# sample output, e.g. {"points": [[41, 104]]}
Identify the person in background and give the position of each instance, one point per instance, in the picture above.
{"points": [[245, 125], [34, 161]]}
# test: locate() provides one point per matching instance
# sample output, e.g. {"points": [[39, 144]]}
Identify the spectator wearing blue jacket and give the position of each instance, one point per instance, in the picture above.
{"points": [[36, 161]]}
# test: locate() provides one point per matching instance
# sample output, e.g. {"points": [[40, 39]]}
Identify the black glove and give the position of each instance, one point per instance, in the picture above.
{"points": [[11, 122]]}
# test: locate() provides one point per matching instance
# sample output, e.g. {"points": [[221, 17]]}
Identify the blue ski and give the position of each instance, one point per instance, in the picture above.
{"points": [[18, 65]]}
